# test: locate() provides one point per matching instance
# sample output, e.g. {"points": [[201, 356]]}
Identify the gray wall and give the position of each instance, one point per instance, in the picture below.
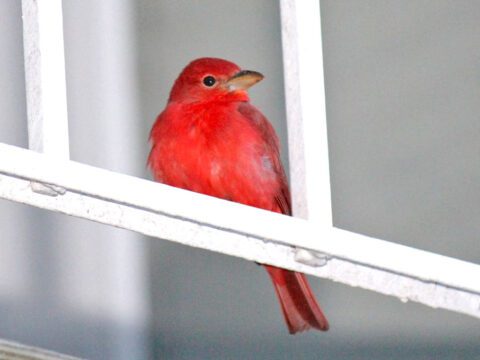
{"points": [[403, 90]]}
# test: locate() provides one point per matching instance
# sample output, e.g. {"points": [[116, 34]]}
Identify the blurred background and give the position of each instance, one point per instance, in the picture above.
{"points": [[403, 90]]}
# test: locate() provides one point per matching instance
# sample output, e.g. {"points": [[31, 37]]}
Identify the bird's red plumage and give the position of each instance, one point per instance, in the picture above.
{"points": [[211, 140]]}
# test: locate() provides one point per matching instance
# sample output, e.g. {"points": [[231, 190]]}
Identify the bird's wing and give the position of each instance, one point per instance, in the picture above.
{"points": [[259, 121]]}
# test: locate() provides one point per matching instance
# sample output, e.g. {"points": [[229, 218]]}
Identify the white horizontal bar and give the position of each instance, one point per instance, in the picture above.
{"points": [[217, 225], [45, 77]]}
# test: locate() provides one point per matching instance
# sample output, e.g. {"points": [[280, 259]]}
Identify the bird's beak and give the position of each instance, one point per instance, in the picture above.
{"points": [[243, 80]]}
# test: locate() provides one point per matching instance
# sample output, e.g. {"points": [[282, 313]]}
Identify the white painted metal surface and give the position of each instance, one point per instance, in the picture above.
{"points": [[233, 229], [45, 77], [305, 104], [12, 350]]}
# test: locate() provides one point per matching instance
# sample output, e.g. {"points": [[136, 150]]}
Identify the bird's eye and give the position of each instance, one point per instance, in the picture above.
{"points": [[209, 81]]}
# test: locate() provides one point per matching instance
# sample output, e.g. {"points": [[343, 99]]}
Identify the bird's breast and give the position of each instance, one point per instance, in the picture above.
{"points": [[215, 152]]}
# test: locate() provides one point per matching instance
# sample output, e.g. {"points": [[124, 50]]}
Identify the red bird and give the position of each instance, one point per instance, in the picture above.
{"points": [[211, 140]]}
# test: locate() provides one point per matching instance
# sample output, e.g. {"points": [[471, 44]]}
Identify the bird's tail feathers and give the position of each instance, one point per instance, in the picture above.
{"points": [[299, 306]]}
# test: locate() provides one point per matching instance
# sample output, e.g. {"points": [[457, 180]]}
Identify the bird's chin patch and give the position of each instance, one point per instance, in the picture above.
{"points": [[239, 93]]}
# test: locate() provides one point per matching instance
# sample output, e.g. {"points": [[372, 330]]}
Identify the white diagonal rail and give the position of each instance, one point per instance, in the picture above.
{"points": [[13, 350], [196, 220], [209, 223]]}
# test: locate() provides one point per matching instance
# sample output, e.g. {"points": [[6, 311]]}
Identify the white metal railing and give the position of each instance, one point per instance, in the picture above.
{"points": [[14, 350], [197, 220]]}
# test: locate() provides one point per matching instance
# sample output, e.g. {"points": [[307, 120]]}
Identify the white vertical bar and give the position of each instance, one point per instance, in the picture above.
{"points": [[305, 103], [45, 77]]}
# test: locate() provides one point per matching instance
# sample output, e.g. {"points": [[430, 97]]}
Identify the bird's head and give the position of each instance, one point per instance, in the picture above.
{"points": [[209, 79]]}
